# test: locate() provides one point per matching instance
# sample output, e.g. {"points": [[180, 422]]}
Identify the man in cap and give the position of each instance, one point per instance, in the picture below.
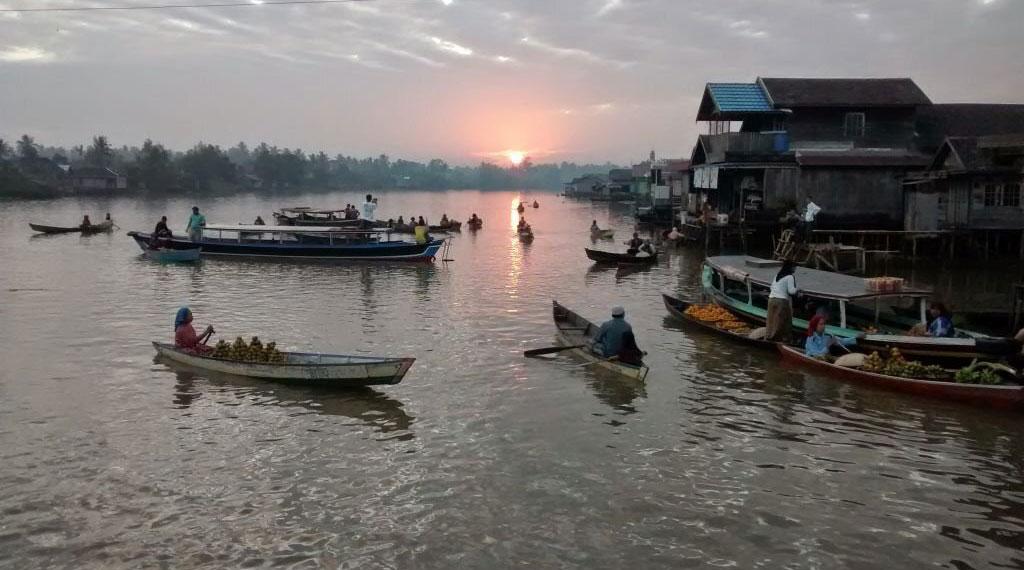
{"points": [[609, 338]]}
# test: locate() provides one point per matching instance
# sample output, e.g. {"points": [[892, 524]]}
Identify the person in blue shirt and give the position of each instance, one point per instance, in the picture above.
{"points": [[608, 341], [942, 321], [819, 342], [196, 223]]}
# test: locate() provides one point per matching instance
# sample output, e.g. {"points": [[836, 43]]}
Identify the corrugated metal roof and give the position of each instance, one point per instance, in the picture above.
{"points": [[740, 98]]}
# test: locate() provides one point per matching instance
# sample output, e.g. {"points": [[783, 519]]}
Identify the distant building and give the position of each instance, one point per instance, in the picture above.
{"points": [[585, 186], [94, 178], [972, 183]]}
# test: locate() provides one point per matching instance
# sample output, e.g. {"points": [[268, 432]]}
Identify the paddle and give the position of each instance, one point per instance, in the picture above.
{"points": [[549, 350]]}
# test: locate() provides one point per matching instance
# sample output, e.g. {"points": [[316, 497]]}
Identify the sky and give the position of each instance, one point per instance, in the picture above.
{"points": [[469, 80]]}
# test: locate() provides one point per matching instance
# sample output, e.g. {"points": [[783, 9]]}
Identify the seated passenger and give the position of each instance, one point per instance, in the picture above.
{"points": [[819, 343], [185, 336]]}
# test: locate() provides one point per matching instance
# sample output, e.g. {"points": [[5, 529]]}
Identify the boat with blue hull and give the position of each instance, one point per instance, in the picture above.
{"points": [[302, 242]]}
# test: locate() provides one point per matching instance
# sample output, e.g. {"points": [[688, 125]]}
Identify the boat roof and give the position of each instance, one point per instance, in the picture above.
{"points": [[308, 210], [814, 282], [293, 229]]}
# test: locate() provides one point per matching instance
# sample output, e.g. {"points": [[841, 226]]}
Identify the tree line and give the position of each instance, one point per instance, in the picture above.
{"points": [[31, 169]]}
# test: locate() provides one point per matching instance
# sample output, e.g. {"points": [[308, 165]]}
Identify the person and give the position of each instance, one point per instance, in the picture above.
{"points": [[645, 250], [185, 336], [674, 235], [608, 341], [259, 221], [706, 212], [521, 208], [594, 227], [421, 222], [161, 230], [85, 223], [444, 220], [370, 208], [535, 204], [806, 225], [475, 221], [780, 304], [634, 244], [400, 223], [942, 321], [819, 311], [522, 224], [630, 353], [108, 217], [196, 223], [819, 343]]}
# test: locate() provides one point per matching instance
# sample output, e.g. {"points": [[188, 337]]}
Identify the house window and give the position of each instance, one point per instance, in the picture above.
{"points": [[1011, 195], [853, 125], [993, 195]]}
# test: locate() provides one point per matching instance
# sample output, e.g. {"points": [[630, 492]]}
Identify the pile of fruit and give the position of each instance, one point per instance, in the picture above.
{"points": [[983, 373], [255, 351], [717, 316], [896, 365]]}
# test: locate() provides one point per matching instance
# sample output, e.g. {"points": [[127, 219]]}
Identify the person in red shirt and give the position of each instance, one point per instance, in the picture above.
{"points": [[185, 336]]}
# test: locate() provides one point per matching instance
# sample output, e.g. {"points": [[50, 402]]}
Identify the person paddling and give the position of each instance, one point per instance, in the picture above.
{"points": [[185, 336], [608, 341]]}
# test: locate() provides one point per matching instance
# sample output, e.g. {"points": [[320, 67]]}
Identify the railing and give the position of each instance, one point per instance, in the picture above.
{"points": [[747, 143]]}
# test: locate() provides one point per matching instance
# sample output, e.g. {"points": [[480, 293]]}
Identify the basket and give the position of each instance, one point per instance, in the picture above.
{"points": [[885, 284]]}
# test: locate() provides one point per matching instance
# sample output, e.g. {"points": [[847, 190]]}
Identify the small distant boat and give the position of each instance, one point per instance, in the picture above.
{"points": [[526, 237], [995, 396], [609, 257], [319, 369], [165, 255], [575, 330], [602, 234], [93, 229], [535, 204], [521, 208], [475, 225]]}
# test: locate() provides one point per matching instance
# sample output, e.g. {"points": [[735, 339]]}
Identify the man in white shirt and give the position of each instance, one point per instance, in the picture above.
{"points": [[369, 209], [806, 225]]}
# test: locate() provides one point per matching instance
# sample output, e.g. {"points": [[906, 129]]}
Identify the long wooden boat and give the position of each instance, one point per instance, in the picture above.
{"points": [[599, 256], [101, 227], [741, 284], [165, 255], [321, 369], [304, 216], [576, 330], [677, 308], [602, 234], [998, 396], [304, 242]]}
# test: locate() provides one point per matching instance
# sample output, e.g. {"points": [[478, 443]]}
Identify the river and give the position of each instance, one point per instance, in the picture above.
{"points": [[479, 458]]}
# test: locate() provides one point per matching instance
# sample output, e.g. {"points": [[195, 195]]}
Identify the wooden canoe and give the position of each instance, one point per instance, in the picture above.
{"points": [[677, 308], [526, 237], [602, 234], [93, 229], [997, 396], [321, 369], [575, 330], [599, 256]]}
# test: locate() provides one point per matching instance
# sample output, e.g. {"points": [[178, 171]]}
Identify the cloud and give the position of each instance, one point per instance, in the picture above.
{"points": [[574, 53], [445, 45], [608, 6], [26, 54]]}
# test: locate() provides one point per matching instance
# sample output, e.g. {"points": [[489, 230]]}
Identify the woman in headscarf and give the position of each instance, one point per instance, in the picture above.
{"points": [[819, 343], [185, 336], [780, 304]]}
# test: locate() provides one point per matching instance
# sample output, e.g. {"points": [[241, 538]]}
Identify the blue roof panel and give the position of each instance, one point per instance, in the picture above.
{"points": [[740, 98]]}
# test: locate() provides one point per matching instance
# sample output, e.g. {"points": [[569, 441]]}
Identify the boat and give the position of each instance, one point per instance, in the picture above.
{"points": [[314, 368], [167, 255], [602, 234], [677, 308], [741, 284], [575, 330], [304, 242], [305, 216], [526, 236], [101, 227], [535, 204], [609, 257], [475, 225], [996, 396]]}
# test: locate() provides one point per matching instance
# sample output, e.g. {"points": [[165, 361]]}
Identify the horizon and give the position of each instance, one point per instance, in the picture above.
{"points": [[600, 81]]}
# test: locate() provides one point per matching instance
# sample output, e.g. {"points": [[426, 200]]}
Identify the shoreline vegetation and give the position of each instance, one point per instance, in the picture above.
{"points": [[29, 170]]}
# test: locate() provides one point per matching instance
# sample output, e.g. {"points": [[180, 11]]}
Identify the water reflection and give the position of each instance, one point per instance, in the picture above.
{"points": [[617, 392], [365, 405]]}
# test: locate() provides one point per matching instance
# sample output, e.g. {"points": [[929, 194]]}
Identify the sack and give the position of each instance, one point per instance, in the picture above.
{"points": [[853, 360], [758, 333]]}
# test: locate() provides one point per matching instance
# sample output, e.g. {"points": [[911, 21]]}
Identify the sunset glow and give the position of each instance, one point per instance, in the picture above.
{"points": [[515, 156]]}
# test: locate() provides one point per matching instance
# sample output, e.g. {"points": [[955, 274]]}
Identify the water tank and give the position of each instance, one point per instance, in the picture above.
{"points": [[780, 141]]}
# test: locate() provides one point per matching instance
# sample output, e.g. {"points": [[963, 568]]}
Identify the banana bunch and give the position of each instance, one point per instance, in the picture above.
{"points": [[253, 351]]}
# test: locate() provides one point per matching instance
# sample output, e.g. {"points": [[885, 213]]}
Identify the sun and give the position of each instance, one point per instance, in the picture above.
{"points": [[515, 156]]}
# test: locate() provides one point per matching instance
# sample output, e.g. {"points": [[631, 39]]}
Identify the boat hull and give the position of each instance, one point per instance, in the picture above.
{"points": [[575, 330], [602, 234], [677, 308], [361, 371], [1006, 397], [599, 256], [380, 251], [172, 255], [102, 227]]}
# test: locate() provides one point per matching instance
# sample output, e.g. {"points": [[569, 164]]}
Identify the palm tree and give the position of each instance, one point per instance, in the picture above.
{"points": [[28, 150], [100, 153]]}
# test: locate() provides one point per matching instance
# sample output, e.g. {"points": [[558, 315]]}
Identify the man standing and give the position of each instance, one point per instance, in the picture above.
{"points": [[196, 223], [608, 341], [369, 209]]}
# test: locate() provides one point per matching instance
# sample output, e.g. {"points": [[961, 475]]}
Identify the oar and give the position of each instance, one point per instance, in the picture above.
{"points": [[549, 350]]}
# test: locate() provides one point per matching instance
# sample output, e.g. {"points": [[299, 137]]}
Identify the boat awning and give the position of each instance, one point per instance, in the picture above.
{"points": [[289, 229], [813, 282]]}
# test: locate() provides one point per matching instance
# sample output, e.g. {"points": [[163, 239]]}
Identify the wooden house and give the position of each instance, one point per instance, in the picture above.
{"points": [[94, 179], [775, 142], [972, 183]]}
